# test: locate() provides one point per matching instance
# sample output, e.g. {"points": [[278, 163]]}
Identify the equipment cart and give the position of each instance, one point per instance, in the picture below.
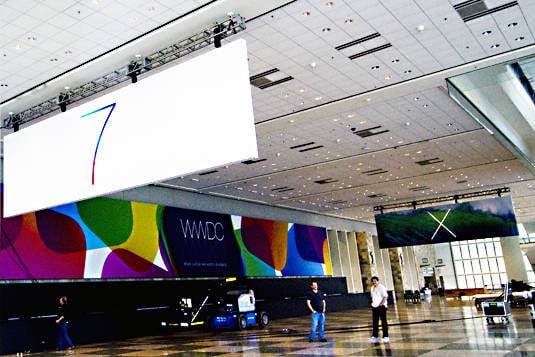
{"points": [[501, 309], [226, 306]]}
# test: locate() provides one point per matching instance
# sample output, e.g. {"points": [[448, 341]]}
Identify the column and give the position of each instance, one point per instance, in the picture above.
{"points": [[395, 263], [365, 259]]}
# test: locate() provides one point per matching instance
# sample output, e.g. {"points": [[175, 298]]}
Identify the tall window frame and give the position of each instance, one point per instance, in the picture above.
{"points": [[479, 263]]}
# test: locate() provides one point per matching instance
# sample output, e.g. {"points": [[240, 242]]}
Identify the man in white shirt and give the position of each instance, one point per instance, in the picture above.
{"points": [[379, 297]]}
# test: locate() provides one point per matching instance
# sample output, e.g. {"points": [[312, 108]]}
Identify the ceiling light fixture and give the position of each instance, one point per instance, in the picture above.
{"points": [[495, 46], [305, 13], [348, 21], [487, 32], [519, 38], [420, 28], [326, 29], [512, 24]]}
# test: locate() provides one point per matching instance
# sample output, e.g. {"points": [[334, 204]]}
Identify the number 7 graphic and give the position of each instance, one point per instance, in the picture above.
{"points": [[111, 106]]}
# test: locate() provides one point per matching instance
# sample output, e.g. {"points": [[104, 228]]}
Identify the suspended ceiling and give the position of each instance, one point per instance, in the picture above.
{"points": [[355, 114]]}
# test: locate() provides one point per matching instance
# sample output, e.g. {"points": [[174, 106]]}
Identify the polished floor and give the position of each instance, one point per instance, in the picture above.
{"points": [[437, 327]]}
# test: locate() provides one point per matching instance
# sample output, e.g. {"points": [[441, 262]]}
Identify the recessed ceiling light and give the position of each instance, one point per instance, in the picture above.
{"points": [[362, 122], [416, 98], [67, 52], [420, 28], [329, 3], [519, 38], [375, 67], [487, 32], [388, 77], [348, 21], [302, 90], [66, 87], [395, 60], [313, 64], [495, 45], [318, 98], [326, 29], [350, 115], [305, 13], [512, 24], [407, 71]]}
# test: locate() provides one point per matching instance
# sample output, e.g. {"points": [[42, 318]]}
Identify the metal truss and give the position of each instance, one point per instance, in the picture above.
{"points": [[493, 192], [212, 35]]}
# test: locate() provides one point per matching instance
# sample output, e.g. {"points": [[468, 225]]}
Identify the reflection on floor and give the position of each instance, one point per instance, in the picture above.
{"points": [[435, 328]]}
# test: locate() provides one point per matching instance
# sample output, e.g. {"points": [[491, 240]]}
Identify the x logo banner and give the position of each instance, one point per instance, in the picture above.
{"points": [[441, 224]]}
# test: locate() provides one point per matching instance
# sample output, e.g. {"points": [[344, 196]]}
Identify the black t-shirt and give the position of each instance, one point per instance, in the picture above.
{"points": [[316, 300], [64, 310]]}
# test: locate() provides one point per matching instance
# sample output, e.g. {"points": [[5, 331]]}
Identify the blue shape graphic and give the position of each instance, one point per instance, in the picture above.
{"points": [[92, 241]]}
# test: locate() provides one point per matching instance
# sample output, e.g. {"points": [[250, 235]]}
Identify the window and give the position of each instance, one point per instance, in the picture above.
{"points": [[479, 263]]}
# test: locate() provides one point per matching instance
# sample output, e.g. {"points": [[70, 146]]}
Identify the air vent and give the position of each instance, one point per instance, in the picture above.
{"points": [[249, 162], [207, 172], [377, 195], [269, 78], [325, 181], [282, 189], [419, 188], [357, 41], [370, 51], [375, 172], [434, 160], [474, 9], [364, 133], [303, 147]]}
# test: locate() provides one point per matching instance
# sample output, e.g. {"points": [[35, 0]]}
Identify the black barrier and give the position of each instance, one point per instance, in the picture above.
{"points": [[110, 310]]}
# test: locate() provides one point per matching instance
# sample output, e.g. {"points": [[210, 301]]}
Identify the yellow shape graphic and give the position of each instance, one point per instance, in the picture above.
{"points": [[143, 240]]}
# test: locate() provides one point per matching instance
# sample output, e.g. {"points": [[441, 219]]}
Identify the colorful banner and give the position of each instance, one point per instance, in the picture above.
{"points": [[104, 238]]}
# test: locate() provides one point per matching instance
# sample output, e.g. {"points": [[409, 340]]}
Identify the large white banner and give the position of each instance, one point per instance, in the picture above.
{"points": [[191, 117]]}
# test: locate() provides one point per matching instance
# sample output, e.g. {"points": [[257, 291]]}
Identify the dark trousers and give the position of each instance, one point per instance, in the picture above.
{"points": [[64, 341], [379, 313]]}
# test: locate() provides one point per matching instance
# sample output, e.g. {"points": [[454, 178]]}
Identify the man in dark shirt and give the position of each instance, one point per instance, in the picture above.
{"points": [[62, 320], [316, 304]]}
